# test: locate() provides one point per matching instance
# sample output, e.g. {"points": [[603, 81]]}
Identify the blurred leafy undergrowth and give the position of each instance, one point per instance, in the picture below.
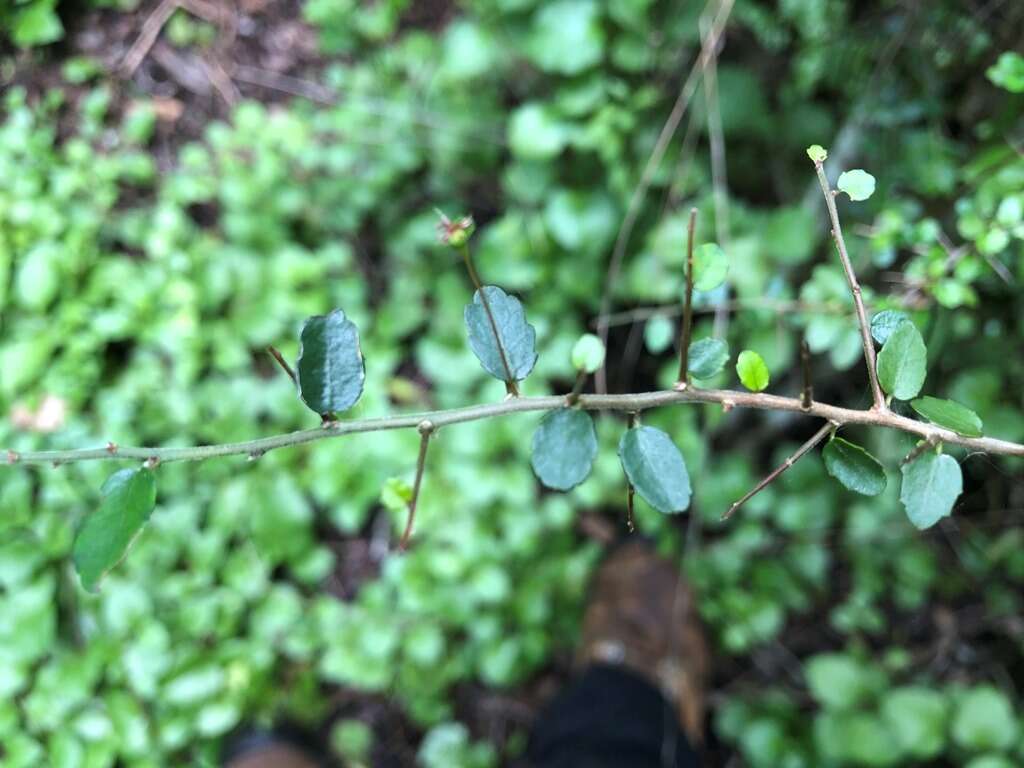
{"points": [[143, 302]]}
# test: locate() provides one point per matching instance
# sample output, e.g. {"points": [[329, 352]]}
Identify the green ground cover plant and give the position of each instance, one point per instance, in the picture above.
{"points": [[138, 306]]}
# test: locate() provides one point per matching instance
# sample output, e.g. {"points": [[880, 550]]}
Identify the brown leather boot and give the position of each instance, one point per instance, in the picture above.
{"points": [[274, 756], [275, 749], [641, 615]]}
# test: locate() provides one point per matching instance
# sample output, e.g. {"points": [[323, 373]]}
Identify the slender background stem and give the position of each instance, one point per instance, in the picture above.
{"points": [[687, 329]]}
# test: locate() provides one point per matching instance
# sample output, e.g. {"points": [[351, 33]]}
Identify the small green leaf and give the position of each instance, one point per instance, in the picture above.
{"points": [[838, 681], [34, 23], [330, 364], [919, 719], [106, 533], [949, 414], [752, 371], [564, 447], [588, 353], [658, 334], [931, 484], [817, 153], [854, 467], [884, 323], [656, 469], [1008, 72], [395, 494], [710, 266], [707, 357], [858, 184], [985, 720], [903, 362], [518, 337]]}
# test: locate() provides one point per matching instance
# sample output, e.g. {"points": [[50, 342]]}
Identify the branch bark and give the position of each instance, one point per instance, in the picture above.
{"points": [[728, 399]]}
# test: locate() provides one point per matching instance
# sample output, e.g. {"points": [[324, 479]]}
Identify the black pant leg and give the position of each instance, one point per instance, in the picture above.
{"points": [[609, 718]]}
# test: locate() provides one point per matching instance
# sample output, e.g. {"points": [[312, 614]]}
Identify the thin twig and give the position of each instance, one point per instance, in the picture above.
{"points": [[510, 380], [719, 180], [851, 279], [727, 398], [630, 506], [426, 429], [816, 438], [630, 490], [274, 353], [807, 393], [577, 388], [647, 176], [687, 329], [918, 449], [147, 36]]}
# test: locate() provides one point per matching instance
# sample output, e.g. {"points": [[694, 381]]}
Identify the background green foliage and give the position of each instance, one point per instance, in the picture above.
{"points": [[145, 298]]}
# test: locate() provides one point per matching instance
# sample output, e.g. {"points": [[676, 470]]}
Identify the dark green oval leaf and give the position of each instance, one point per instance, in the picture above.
{"points": [[106, 533], [902, 363], [330, 365], [655, 468], [884, 323], [931, 484], [707, 357], [854, 467], [518, 337], [752, 370], [949, 414], [564, 447]]}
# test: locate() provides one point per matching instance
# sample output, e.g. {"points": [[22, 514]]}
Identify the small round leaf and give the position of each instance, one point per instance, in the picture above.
{"points": [[854, 467], [931, 484], [588, 353], [330, 364], [884, 323], [518, 337], [902, 363], [949, 414], [655, 468], [752, 371], [858, 184], [710, 266], [707, 357], [564, 447], [129, 496]]}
